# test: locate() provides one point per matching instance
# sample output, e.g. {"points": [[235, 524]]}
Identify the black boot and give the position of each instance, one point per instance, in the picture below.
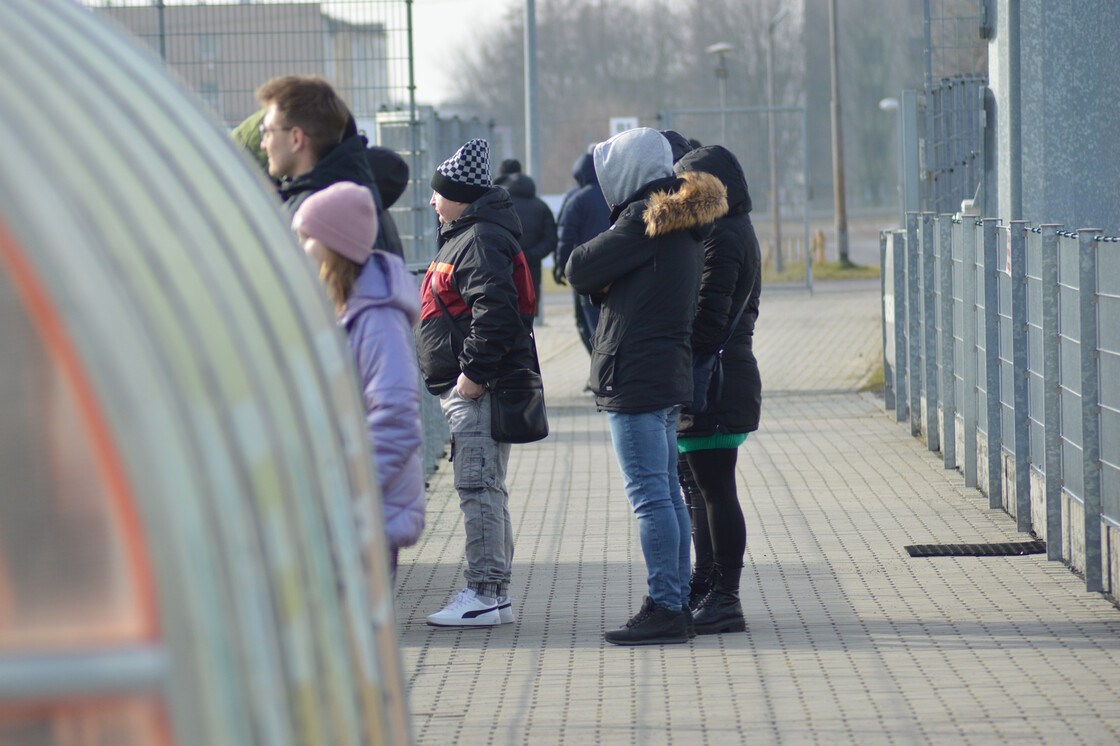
{"points": [[652, 625], [699, 585], [721, 611]]}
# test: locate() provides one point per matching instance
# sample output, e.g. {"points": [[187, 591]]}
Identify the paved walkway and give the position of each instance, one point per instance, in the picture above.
{"points": [[849, 639]]}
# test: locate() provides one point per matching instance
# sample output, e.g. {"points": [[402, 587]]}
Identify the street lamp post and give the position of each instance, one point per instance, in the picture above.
{"points": [[721, 50], [532, 123], [775, 216], [839, 198]]}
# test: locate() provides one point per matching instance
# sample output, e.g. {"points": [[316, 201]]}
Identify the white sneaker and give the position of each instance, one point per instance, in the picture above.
{"points": [[505, 609], [468, 609]]}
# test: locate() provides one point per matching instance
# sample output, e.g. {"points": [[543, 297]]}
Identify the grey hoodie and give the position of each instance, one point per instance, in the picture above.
{"points": [[630, 160]]}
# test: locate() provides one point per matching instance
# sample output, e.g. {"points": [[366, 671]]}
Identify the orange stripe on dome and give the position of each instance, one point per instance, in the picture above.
{"points": [[52, 332]]}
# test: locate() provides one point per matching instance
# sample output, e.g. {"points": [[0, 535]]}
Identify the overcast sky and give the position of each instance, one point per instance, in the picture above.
{"points": [[442, 28]]}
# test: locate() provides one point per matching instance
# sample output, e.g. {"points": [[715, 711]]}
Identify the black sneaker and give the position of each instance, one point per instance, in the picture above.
{"points": [[689, 622], [652, 625]]}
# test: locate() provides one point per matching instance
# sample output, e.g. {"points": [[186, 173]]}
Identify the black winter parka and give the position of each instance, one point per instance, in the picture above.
{"points": [[731, 275], [645, 273]]}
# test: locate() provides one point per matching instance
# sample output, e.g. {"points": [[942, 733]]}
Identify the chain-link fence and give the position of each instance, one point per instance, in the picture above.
{"points": [[997, 349], [743, 131], [225, 50]]}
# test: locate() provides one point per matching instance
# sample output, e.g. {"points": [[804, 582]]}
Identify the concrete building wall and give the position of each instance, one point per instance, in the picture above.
{"points": [[1067, 107]]}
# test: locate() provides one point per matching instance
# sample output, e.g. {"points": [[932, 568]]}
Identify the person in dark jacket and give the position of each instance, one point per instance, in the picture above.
{"points": [[678, 142], [645, 273], [583, 216], [390, 174], [708, 442], [538, 226], [475, 323], [311, 139]]}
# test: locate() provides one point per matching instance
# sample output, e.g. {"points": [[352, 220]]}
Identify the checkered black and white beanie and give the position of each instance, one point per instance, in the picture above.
{"points": [[465, 176]]}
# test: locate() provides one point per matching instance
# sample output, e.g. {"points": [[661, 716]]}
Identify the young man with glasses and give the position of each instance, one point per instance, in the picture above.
{"points": [[310, 138]]}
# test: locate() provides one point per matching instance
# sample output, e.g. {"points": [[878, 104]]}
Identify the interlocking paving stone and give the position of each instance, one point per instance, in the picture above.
{"points": [[849, 639]]}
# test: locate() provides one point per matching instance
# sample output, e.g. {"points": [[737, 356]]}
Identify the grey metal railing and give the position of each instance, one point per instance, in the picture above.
{"points": [[1002, 349]]}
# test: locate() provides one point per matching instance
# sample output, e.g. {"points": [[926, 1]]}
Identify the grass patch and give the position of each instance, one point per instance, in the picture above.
{"points": [[548, 284], [874, 382], [795, 272]]}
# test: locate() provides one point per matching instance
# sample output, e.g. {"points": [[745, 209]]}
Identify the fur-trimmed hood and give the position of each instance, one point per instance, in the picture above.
{"points": [[700, 200]]}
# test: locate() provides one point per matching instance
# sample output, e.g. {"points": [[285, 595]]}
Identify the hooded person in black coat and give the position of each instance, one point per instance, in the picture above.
{"points": [[585, 214], [709, 441], [390, 173], [645, 273], [538, 226]]}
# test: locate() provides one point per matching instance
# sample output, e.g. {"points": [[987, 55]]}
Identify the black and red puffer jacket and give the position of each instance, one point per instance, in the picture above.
{"points": [[482, 278]]}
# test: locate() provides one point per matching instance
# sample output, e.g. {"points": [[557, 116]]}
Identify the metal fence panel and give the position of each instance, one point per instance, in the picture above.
{"points": [[225, 51], [1035, 381], [1090, 410], [737, 129], [929, 330], [1108, 311], [1069, 361], [993, 432], [946, 344], [1017, 371], [914, 322], [1006, 331], [970, 357], [897, 248]]}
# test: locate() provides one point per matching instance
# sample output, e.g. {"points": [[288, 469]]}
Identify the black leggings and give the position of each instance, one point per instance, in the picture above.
{"points": [[719, 532]]}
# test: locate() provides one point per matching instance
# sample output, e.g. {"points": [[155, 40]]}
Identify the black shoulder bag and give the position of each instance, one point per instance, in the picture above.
{"points": [[707, 369], [517, 410]]}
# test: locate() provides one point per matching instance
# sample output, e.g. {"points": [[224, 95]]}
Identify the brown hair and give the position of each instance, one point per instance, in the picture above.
{"points": [[308, 102], [338, 275]]}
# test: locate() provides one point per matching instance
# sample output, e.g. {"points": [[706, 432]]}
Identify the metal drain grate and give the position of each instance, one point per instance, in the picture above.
{"points": [[1010, 549]]}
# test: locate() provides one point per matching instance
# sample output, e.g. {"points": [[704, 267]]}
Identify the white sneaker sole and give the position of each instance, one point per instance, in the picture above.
{"points": [[481, 618], [505, 613]]}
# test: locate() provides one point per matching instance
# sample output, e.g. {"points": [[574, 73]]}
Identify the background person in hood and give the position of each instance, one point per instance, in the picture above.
{"points": [[645, 273], [476, 321], [377, 304], [390, 174], [538, 227], [583, 216]]}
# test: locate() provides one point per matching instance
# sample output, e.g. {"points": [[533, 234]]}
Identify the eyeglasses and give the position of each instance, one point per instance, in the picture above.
{"points": [[267, 131]]}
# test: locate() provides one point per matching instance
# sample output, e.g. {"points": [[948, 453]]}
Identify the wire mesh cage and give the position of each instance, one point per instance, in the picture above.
{"points": [[225, 50]]}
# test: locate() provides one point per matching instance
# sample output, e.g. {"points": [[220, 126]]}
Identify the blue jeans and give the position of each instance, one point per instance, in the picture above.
{"points": [[646, 447], [479, 464]]}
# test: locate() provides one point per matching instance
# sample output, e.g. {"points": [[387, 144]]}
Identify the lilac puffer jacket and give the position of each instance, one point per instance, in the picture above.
{"points": [[383, 307]]}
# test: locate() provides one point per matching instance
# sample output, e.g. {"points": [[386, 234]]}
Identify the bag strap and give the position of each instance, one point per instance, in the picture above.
{"points": [[734, 323], [455, 331]]}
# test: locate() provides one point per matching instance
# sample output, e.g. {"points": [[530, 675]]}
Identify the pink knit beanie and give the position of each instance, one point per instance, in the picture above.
{"points": [[342, 217]]}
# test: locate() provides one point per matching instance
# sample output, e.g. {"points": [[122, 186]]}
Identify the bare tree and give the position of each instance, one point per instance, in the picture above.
{"points": [[604, 58]]}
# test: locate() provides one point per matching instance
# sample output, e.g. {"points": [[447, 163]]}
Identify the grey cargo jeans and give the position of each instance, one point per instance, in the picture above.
{"points": [[479, 464]]}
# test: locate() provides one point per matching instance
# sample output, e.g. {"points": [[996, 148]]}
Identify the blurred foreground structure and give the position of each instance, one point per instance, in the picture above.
{"points": [[190, 539]]}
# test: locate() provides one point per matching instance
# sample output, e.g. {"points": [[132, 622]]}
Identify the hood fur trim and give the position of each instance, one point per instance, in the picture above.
{"points": [[699, 201]]}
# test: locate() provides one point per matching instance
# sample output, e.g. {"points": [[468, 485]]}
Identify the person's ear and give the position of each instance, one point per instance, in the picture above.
{"points": [[299, 139]]}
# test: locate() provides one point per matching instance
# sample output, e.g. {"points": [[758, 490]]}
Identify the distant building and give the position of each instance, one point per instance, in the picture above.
{"points": [[225, 52]]}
